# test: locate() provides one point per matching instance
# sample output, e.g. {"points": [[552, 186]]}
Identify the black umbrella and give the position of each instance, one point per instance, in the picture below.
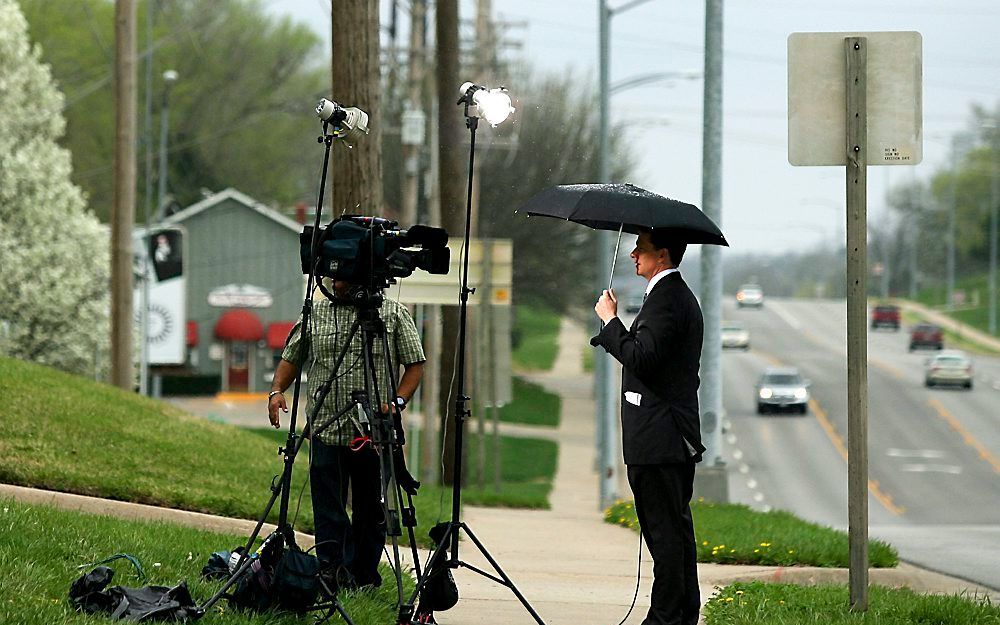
{"points": [[623, 208]]}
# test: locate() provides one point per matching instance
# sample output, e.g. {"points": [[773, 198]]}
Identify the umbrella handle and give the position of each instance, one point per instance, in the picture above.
{"points": [[614, 261]]}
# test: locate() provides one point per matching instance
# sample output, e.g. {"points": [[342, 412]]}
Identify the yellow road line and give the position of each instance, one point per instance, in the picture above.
{"points": [[967, 436], [838, 443], [890, 369]]}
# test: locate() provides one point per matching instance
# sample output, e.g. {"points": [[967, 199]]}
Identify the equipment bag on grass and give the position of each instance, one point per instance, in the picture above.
{"points": [[90, 594]]}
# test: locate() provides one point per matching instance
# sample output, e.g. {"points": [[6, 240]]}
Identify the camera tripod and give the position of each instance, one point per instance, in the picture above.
{"points": [[383, 431]]}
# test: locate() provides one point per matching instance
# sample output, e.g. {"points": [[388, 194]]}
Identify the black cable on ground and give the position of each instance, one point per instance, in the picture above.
{"points": [[638, 576]]}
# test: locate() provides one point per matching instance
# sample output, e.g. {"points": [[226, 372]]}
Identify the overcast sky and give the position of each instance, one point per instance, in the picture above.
{"points": [[768, 205]]}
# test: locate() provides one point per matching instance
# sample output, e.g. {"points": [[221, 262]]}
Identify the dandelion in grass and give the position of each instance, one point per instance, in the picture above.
{"points": [[728, 599]]}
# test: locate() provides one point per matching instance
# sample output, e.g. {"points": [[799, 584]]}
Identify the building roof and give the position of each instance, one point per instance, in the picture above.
{"points": [[231, 194]]}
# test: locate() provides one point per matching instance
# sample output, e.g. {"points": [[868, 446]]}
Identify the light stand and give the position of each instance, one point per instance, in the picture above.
{"points": [[491, 105], [346, 124]]}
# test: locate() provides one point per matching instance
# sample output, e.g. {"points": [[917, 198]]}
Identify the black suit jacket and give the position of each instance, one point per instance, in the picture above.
{"points": [[660, 355]]}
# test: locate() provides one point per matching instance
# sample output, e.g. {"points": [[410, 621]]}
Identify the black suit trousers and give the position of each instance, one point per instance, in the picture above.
{"points": [[355, 542], [662, 503]]}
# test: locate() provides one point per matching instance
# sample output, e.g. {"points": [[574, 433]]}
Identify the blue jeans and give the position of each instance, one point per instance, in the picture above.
{"points": [[355, 543]]}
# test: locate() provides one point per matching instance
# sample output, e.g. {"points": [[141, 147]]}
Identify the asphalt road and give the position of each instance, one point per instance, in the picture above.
{"points": [[934, 454]]}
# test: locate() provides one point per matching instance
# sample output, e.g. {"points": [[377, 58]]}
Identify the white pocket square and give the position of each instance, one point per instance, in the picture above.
{"points": [[633, 398]]}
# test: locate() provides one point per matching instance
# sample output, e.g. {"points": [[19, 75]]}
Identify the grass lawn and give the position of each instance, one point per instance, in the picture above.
{"points": [[42, 547], [532, 405], [66, 433], [536, 332], [952, 340], [735, 534], [758, 603]]}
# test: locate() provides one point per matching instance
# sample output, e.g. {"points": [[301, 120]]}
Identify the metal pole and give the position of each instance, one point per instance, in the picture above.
{"points": [[952, 209], [856, 55], [994, 198], [603, 382], [123, 203], [147, 139], [164, 128], [710, 395], [914, 239]]}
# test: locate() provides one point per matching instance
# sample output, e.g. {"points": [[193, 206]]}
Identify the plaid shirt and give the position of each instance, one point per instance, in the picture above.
{"points": [[330, 324]]}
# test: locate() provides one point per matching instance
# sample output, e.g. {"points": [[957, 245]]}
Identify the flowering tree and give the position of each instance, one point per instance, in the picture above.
{"points": [[54, 254]]}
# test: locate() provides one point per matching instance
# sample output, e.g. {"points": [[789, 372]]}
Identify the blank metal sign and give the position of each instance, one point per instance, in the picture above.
{"points": [[817, 98]]}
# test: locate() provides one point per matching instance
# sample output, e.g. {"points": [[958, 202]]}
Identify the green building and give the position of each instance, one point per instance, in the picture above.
{"points": [[244, 291]]}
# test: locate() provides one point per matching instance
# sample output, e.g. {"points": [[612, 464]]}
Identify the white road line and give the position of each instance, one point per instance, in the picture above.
{"points": [[932, 468], [914, 453], [752, 484], [744, 469], [737, 454], [784, 314]]}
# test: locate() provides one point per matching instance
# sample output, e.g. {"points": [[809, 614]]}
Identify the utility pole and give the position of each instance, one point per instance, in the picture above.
{"points": [[414, 118], [952, 209], [123, 204], [994, 199], [711, 480], [357, 173], [453, 148], [147, 141]]}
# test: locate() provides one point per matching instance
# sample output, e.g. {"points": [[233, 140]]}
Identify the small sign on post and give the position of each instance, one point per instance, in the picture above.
{"points": [[854, 99]]}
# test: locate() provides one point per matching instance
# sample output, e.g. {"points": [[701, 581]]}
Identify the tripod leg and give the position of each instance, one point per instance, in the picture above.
{"points": [[507, 581]]}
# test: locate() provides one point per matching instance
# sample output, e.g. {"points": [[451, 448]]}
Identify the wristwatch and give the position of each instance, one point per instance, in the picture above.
{"points": [[400, 403]]}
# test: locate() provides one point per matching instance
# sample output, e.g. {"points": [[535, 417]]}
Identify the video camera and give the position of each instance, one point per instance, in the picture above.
{"points": [[372, 251]]}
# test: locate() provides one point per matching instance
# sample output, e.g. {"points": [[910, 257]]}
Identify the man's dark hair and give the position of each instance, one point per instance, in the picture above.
{"points": [[664, 239]]}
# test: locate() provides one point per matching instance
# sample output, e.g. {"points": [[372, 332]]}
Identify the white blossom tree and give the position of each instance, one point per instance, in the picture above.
{"points": [[54, 254]]}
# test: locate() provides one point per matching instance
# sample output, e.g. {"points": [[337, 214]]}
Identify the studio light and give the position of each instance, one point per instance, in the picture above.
{"points": [[349, 123], [493, 104]]}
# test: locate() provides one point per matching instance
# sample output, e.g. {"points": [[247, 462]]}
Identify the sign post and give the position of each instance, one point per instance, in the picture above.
{"points": [[875, 80]]}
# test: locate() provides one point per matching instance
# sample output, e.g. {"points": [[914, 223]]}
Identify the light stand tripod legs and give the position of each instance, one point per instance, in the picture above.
{"points": [[461, 414]]}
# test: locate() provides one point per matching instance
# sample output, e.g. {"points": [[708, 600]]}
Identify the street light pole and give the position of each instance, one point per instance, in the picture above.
{"points": [[604, 383], [952, 209], [169, 78]]}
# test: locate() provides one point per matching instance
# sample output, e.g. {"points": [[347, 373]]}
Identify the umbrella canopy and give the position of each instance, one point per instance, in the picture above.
{"points": [[624, 207]]}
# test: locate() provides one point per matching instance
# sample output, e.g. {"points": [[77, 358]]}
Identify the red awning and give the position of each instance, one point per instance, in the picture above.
{"points": [[277, 332], [192, 334], [239, 325]]}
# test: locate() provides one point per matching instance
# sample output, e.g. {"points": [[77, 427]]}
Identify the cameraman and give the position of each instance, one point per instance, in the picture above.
{"points": [[348, 548]]}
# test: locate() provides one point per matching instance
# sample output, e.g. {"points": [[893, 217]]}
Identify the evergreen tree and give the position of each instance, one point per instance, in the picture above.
{"points": [[53, 252]]}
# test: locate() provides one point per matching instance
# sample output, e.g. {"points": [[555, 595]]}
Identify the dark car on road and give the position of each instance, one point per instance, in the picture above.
{"points": [[885, 316], [926, 335]]}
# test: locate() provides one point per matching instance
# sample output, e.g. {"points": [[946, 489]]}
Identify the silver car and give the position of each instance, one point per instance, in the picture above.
{"points": [[735, 335], [782, 388], [951, 367]]}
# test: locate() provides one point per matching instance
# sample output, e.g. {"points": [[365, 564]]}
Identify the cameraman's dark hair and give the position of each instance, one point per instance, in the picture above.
{"points": [[675, 248]]}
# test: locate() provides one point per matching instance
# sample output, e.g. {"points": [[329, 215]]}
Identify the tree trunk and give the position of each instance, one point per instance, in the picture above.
{"points": [[356, 174], [453, 148]]}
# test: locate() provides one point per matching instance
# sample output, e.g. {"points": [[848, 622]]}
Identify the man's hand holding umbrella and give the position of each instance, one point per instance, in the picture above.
{"points": [[607, 306]]}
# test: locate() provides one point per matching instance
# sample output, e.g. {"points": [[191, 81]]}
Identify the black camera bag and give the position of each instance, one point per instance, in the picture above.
{"points": [[295, 584]]}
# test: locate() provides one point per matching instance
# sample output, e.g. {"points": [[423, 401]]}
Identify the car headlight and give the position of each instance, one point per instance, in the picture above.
{"points": [[801, 393], [765, 393]]}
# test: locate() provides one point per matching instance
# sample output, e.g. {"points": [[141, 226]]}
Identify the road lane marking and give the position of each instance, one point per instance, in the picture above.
{"points": [[914, 453], [967, 436], [786, 316], [838, 442], [892, 370], [932, 468]]}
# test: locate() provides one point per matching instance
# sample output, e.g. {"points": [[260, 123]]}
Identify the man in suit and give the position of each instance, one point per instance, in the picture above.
{"points": [[661, 434]]}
